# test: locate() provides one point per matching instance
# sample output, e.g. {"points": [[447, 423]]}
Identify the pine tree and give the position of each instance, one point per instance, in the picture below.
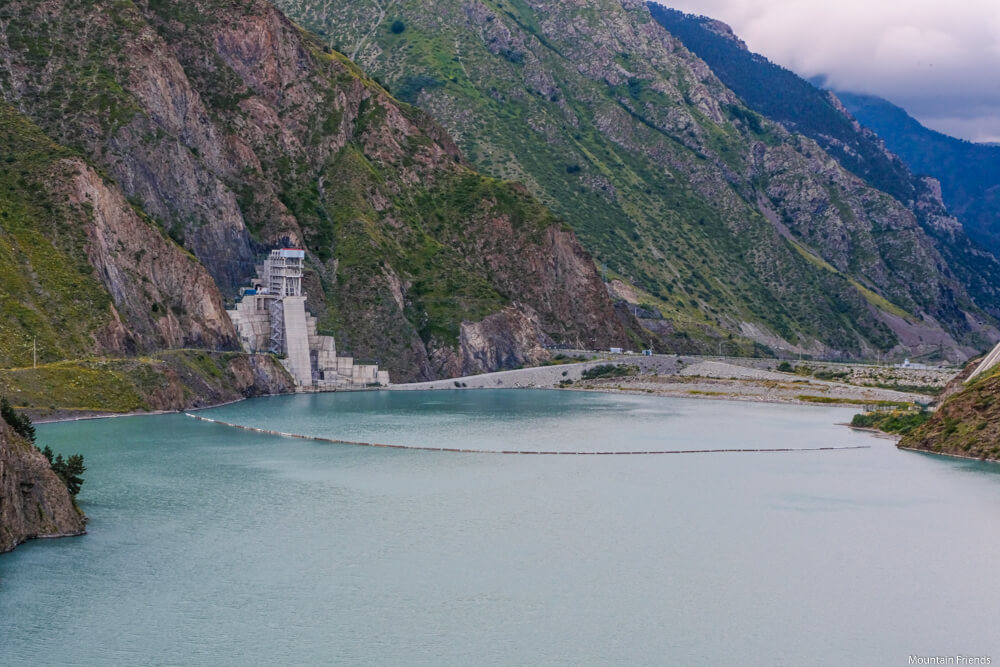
{"points": [[21, 423], [69, 471], [74, 470]]}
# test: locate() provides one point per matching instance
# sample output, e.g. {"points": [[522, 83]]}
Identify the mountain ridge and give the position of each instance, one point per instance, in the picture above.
{"points": [[803, 106], [967, 171]]}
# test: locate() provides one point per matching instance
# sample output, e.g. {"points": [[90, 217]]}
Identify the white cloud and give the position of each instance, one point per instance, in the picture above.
{"points": [[938, 60], [985, 128]]}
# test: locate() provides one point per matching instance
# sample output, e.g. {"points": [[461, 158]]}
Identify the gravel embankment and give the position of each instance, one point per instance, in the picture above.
{"points": [[689, 377]]}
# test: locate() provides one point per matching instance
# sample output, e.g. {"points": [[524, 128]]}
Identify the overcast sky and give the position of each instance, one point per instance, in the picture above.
{"points": [[940, 60]]}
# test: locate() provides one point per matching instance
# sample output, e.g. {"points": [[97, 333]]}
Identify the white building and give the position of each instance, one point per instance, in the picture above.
{"points": [[271, 317]]}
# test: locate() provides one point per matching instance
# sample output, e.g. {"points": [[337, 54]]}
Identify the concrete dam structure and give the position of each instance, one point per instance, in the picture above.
{"points": [[271, 316]]}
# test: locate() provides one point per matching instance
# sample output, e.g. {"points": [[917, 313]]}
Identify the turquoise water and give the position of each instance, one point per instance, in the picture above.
{"points": [[210, 546]]}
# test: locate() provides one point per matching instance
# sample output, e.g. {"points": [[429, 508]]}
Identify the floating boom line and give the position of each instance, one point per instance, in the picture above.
{"points": [[457, 450]]}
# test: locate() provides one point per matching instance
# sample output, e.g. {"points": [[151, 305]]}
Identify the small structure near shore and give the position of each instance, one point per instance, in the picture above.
{"points": [[271, 316]]}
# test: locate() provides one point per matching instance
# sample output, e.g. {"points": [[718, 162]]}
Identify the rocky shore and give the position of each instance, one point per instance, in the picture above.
{"points": [[34, 502]]}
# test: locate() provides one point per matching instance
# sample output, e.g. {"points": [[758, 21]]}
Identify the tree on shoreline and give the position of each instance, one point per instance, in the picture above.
{"points": [[69, 470], [21, 423]]}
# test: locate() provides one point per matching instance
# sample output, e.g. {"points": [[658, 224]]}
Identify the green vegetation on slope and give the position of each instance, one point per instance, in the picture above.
{"points": [[897, 422], [965, 170], [653, 164], [966, 424], [50, 300], [969, 173], [236, 131], [172, 380]]}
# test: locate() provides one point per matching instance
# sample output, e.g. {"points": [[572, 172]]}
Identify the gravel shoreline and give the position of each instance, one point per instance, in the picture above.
{"points": [[659, 375], [681, 377]]}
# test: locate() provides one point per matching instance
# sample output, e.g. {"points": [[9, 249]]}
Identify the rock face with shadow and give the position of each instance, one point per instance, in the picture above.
{"points": [[34, 502]]}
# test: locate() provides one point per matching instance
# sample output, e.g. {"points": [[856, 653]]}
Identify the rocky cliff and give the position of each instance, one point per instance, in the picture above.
{"points": [[732, 227], [969, 172], [85, 272], [34, 502]]}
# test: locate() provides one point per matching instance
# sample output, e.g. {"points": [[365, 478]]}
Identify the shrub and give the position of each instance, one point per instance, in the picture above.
{"points": [[609, 371], [901, 423]]}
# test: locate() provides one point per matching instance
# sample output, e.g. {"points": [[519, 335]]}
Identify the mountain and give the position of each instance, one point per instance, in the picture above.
{"points": [[34, 502], [785, 97], [969, 173], [717, 223], [800, 106], [175, 142]]}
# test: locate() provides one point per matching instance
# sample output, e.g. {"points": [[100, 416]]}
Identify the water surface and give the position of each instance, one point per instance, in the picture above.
{"points": [[211, 546]]}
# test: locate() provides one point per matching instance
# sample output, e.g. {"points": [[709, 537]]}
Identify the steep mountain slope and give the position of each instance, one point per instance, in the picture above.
{"points": [[725, 222], [81, 270], [801, 107], [786, 98], [237, 132], [969, 173], [85, 273], [33, 501]]}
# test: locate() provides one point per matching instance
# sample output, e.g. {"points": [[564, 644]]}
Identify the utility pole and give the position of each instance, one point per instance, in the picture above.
{"points": [[34, 352]]}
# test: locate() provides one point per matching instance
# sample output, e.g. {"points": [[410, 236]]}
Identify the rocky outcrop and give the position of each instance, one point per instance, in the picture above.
{"points": [[167, 298], [509, 339], [86, 272], [34, 502], [211, 378]]}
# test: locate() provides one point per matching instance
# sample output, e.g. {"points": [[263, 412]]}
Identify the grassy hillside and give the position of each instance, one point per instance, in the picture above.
{"points": [[171, 380], [966, 424], [669, 180]]}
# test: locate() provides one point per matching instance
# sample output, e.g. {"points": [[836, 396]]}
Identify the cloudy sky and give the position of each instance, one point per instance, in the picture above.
{"points": [[938, 60]]}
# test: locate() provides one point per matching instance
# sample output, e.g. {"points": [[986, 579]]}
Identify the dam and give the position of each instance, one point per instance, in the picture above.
{"points": [[271, 317]]}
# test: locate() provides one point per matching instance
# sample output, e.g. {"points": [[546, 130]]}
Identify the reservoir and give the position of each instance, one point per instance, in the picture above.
{"points": [[209, 545]]}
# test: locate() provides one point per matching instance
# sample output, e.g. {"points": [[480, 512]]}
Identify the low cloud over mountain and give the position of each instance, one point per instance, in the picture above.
{"points": [[937, 60]]}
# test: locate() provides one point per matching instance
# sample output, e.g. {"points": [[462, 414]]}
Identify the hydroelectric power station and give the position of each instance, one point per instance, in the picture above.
{"points": [[271, 316]]}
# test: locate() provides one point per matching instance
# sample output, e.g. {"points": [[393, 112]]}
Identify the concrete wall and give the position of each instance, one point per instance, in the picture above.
{"points": [[991, 360], [253, 324], [297, 362]]}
